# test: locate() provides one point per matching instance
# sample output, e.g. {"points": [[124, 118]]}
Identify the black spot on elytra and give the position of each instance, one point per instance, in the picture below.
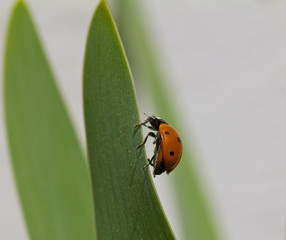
{"points": [[179, 139], [167, 133], [172, 153]]}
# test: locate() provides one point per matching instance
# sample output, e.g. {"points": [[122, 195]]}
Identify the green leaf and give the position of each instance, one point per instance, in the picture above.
{"points": [[49, 165], [197, 219], [126, 205]]}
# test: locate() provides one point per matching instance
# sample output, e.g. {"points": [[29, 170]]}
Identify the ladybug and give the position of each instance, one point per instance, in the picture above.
{"points": [[169, 148]]}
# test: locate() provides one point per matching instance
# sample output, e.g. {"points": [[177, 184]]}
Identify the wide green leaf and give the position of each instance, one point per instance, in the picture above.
{"points": [[49, 165], [197, 218], [126, 205]]}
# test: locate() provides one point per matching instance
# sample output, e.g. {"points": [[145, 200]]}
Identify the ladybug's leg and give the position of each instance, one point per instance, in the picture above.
{"points": [[143, 123], [153, 160], [150, 127], [150, 162], [151, 134]]}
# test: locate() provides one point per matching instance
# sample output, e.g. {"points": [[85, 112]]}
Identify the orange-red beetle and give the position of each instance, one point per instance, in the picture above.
{"points": [[169, 148]]}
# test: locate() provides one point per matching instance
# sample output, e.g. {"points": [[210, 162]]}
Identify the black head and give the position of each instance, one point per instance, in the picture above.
{"points": [[155, 122]]}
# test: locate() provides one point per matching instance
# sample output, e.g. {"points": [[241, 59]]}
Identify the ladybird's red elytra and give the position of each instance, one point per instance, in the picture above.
{"points": [[168, 145]]}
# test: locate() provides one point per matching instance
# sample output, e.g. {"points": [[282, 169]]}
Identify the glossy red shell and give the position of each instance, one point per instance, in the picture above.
{"points": [[171, 147]]}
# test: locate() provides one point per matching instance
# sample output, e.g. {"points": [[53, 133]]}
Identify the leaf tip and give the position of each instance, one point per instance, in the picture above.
{"points": [[103, 3], [18, 4]]}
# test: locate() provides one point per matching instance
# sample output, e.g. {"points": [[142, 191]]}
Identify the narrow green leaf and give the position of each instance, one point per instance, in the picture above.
{"points": [[197, 219], [49, 165], [126, 205]]}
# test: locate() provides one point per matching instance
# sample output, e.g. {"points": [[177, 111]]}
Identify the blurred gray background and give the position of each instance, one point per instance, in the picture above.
{"points": [[226, 66]]}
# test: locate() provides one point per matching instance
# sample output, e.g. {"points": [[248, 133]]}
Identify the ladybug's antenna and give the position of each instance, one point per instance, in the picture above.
{"points": [[146, 115]]}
